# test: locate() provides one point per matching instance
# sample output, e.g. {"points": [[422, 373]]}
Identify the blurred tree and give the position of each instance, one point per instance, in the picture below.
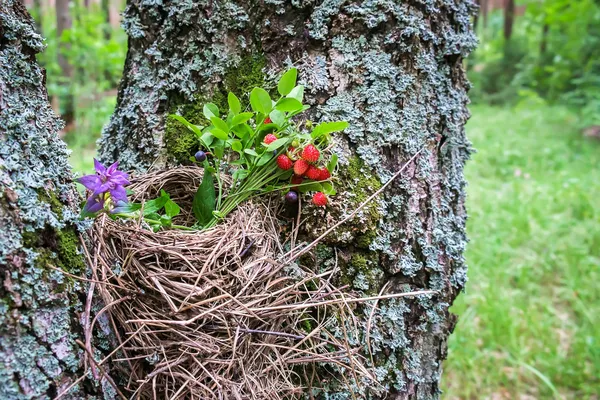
{"points": [[40, 307], [394, 71], [509, 17], [64, 22]]}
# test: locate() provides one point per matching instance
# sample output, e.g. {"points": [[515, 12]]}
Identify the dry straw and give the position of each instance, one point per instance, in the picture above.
{"points": [[217, 314]]}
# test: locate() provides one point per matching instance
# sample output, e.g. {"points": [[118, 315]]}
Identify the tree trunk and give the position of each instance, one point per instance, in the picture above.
{"points": [[484, 12], [509, 17], [64, 22], [394, 71], [40, 307]]}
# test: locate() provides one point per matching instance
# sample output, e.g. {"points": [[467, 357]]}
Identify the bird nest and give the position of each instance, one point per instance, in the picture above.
{"points": [[223, 313]]}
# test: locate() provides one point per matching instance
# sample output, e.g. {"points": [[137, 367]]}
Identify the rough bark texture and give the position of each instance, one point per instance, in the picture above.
{"points": [[393, 70], [39, 306]]}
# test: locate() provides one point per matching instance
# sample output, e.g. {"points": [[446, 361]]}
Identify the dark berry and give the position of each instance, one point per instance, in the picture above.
{"points": [[291, 197], [200, 156]]}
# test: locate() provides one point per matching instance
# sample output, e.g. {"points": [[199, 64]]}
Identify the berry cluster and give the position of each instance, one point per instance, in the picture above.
{"points": [[304, 164]]}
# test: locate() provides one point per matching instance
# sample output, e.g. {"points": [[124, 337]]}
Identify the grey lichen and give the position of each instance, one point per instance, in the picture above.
{"points": [[393, 70], [38, 206]]}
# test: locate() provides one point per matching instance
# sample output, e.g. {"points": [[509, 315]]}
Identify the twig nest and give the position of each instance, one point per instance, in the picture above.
{"points": [[211, 314]]}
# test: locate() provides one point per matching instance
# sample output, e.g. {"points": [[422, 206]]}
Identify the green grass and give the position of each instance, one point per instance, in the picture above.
{"points": [[528, 322], [90, 119]]}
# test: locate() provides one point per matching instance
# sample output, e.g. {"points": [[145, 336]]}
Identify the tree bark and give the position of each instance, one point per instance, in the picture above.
{"points": [[394, 71], [509, 17], [64, 21], [40, 308]]}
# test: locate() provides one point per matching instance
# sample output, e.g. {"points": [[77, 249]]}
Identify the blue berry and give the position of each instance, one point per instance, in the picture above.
{"points": [[200, 156], [291, 197], [275, 152]]}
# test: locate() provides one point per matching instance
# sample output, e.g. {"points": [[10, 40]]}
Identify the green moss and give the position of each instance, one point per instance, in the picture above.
{"points": [[68, 251], [180, 142], [51, 198], [248, 74], [360, 180]]}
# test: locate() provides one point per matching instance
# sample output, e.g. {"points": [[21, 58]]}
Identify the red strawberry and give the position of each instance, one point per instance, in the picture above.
{"points": [[300, 167], [324, 174], [270, 138], [313, 173], [284, 162], [267, 120], [311, 153], [296, 180], [319, 199]]}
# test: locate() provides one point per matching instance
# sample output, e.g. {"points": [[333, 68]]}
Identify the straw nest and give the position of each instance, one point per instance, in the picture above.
{"points": [[216, 314]]}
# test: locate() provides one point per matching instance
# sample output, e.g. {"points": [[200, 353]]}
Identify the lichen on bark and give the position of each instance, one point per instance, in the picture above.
{"points": [[393, 70]]}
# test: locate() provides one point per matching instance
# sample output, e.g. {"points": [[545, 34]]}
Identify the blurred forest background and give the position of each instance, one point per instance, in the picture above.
{"points": [[528, 325]]}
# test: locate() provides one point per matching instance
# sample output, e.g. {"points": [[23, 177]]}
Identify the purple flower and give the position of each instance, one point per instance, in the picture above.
{"points": [[106, 180]]}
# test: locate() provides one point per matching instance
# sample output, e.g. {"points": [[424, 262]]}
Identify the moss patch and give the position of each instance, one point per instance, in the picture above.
{"points": [[355, 182], [180, 142]]}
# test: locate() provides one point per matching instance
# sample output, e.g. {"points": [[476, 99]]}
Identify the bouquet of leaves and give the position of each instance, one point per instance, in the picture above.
{"points": [[263, 150]]}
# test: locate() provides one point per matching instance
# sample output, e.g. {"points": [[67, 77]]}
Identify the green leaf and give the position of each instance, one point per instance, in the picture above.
{"points": [[278, 117], [172, 209], [297, 93], [205, 199], [265, 158], [128, 208], [328, 127], [219, 134], [152, 206], [304, 108], [328, 188], [234, 103], [251, 152], [207, 138], [210, 110], [220, 124], [277, 144], [236, 145], [288, 104], [241, 118], [187, 124], [332, 163], [310, 187], [219, 148], [261, 101], [240, 174], [287, 82], [242, 131]]}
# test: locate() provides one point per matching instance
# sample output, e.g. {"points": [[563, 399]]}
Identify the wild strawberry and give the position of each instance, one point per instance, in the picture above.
{"points": [[270, 138], [319, 199], [300, 167], [313, 173], [267, 120], [291, 197], [284, 162], [311, 153], [324, 174]]}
